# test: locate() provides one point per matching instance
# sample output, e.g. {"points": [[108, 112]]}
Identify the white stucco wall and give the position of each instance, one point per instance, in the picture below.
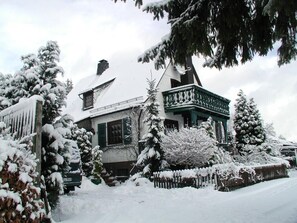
{"points": [[121, 152]]}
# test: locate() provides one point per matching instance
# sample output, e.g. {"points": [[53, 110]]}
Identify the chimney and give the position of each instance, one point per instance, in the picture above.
{"points": [[102, 66]]}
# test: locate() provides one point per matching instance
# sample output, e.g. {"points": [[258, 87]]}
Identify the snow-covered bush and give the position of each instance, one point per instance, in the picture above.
{"points": [[97, 165], [19, 196], [192, 147], [257, 155]]}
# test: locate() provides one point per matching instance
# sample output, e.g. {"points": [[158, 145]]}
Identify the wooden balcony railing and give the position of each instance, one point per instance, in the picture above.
{"points": [[189, 96]]}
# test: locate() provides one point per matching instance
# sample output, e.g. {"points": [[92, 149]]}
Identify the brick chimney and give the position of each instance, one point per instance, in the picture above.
{"points": [[102, 66]]}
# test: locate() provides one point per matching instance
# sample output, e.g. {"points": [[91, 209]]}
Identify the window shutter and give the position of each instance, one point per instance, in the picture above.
{"points": [[102, 135], [127, 130]]}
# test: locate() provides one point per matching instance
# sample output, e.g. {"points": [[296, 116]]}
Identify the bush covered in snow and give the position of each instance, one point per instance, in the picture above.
{"points": [[192, 147], [258, 155], [19, 196], [97, 165]]}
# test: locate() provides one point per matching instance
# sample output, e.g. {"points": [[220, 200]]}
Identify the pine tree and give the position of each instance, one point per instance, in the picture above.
{"points": [[38, 76], [247, 123], [211, 29], [151, 159], [256, 129], [241, 121]]}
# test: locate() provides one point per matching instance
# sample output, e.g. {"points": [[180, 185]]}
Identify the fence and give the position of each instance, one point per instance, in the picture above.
{"points": [[24, 119], [222, 177], [185, 178]]}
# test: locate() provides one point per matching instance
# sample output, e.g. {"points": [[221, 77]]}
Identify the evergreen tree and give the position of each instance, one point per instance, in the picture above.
{"points": [[256, 129], [83, 139], [241, 121], [151, 159], [38, 76], [57, 151], [247, 123], [208, 127], [69, 86], [4, 87], [97, 165], [224, 32]]}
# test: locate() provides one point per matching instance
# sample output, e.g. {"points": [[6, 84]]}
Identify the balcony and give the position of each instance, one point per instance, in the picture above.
{"points": [[193, 97]]}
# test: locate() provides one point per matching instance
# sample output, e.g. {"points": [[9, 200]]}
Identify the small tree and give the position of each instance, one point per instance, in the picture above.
{"points": [[57, 152], [247, 124], [83, 139], [152, 157], [256, 129], [241, 121], [97, 165]]}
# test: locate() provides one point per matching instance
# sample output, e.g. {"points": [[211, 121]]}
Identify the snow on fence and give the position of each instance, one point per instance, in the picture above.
{"points": [[223, 177], [25, 119], [185, 178], [21, 118]]}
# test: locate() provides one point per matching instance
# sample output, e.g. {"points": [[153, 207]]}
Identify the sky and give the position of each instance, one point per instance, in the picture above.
{"points": [[90, 30]]}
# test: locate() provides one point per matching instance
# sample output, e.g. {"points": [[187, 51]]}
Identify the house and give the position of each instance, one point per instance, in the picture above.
{"points": [[110, 104]]}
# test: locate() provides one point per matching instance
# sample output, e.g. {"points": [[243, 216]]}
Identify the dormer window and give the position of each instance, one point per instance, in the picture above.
{"points": [[88, 98]]}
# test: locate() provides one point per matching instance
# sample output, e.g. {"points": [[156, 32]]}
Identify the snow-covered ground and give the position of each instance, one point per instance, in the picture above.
{"points": [[272, 201]]}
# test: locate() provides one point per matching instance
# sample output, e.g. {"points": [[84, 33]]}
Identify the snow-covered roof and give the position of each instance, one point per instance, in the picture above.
{"points": [[127, 86]]}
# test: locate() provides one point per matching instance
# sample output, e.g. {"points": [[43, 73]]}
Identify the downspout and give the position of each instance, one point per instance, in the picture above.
{"points": [[139, 116], [138, 136]]}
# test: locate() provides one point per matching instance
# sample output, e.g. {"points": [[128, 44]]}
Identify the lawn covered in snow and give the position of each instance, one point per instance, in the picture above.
{"points": [[271, 201]]}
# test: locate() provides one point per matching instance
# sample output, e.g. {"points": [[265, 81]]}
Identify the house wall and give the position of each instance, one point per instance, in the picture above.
{"points": [[163, 85], [119, 152]]}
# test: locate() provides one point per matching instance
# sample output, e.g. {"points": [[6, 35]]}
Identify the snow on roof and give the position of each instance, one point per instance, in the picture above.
{"points": [[127, 87]]}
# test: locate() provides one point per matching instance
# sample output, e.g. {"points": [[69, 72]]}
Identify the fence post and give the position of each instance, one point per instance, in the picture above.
{"points": [[37, 138]]}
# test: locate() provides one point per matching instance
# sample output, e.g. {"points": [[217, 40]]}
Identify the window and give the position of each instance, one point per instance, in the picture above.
{"points": [[170, 125], [88, 100], [114, 132], [175, 83]]}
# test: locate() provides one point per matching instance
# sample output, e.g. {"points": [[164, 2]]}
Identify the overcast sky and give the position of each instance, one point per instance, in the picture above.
{"points": [[90, 30]]}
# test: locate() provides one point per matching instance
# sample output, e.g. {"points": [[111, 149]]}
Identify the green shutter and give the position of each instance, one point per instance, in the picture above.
{"points": [[102, 135], [127, 130]]}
